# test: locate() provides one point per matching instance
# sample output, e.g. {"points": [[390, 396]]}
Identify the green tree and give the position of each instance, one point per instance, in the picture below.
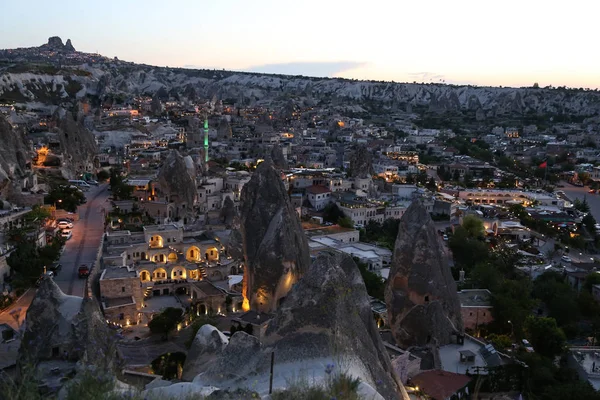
{"points": [[103, 175], [559, 297], [473, 226], [166, 321], [373, 282], [345, 222], [119, 188], [512, 302], [467, 250], [545, 335], [332, 213], [66, 197]]}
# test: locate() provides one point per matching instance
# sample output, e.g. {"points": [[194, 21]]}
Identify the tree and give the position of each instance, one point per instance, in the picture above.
{"points": [[65, 197], [467, 250], [583, 177], [249, 329], [166, 321], [103, 175], [559, 297], [512, 302], [500, 341], [545, 335], [373, 282], [120, 189], [431, 185], [332, 213], [345, 222], [473, 226]]}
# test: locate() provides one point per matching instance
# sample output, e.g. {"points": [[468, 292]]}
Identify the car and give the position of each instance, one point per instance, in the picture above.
{"points": [[83, 271], [566, 259], [55, 267], [65, 225], [445, 237], [66, 234], [528, 346], [592, 191], [93, 182]]}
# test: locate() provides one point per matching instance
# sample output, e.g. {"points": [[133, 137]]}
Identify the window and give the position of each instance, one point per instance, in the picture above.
{"points": [[121, 316], [426, 299], [168, 240], [122, 288], [470, 314]]}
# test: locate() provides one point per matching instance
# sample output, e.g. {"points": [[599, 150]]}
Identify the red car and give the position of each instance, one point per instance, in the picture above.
{"points": [[84, 271]]}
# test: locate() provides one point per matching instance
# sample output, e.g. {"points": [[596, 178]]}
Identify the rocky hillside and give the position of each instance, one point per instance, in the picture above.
{"points": [[14, 152], [78, 74]]}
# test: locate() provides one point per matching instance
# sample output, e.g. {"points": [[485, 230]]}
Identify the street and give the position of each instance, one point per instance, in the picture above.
{"points": [[82, 248], [577, 192]]}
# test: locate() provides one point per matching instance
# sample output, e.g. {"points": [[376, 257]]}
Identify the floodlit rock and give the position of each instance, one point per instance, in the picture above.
{"points": [[328, 314], [274, 245], [422, 301], [175, 181]]}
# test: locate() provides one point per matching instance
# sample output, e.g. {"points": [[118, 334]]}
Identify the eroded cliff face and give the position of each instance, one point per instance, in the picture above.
{"points": [[422, 301], [14, 152], [274, 245], [77, 144], [361, 163]]}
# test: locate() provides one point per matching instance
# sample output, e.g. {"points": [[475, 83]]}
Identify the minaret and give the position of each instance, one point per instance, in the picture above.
{"points": [[206, 140]]}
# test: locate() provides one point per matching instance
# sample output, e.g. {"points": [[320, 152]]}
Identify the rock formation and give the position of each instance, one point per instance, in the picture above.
{"points": [[58, 325], [274, 245], [326, 319], [278, 158], [227, 211], [55, 43], [361, 163], [207, 344], [13, 151], [175, 182], [422, 301], [77, 143]]}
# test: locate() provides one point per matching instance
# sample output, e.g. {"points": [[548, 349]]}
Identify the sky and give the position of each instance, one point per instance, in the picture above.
{"points": [[507, 43]]}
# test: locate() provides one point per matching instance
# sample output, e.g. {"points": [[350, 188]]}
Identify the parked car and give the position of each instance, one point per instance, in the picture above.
{"points": [[566, 259], [445, 237], [65, 225], [55, 267], [528, 346], [66, 234]]}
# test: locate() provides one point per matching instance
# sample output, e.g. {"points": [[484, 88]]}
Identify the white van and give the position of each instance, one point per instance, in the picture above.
{"points": [[83, 185]]}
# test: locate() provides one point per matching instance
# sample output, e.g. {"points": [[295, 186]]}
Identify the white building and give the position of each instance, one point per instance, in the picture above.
{"points": [[318, 197]]}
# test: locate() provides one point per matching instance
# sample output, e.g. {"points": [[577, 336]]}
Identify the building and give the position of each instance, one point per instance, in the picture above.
{"points": [[121, 295], [586, 361], [442, 385], [510, 196], [475, 308], [257, 320], [318, 197]]}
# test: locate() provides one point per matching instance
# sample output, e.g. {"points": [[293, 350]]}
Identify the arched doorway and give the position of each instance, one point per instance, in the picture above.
{"points": [[212, 254], [193, 254], [172, 257], [143, 255], [144, 276], [202, 309]]}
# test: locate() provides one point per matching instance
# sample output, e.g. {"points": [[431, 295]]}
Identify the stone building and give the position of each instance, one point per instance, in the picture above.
{"points": [[475, 308], [166, 254], [122, 296]]}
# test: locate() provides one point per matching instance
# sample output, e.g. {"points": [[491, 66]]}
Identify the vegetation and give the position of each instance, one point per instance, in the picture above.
{"points": [[382, 234], [339, 386], [166, 321], [119, 188], [373, 282], [65, 197], [169, 365], [28, 262]]}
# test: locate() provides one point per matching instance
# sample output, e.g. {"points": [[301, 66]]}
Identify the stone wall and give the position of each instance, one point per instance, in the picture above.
{"points": [[129, 312], [122, 287], [474, 317]]}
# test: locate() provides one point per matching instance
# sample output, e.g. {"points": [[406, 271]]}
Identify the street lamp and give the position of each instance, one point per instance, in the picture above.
{"points": [[512, 329], [57, 201]]}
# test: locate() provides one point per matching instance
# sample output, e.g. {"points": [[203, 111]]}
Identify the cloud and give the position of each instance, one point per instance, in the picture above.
{"points": [[318, 69]]}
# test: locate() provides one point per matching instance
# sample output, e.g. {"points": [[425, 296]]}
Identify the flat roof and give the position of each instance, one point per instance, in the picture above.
{"points": [[118, 301], [208, 288], [475, 298], [118, 273]]}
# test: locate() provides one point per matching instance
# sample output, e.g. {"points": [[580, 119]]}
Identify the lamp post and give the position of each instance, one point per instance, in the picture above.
{"points": [[57, 201], [512, 329]]}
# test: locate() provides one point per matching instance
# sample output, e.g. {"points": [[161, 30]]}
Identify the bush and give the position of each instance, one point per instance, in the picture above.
{"points": [[339, 386], [169, 365]]}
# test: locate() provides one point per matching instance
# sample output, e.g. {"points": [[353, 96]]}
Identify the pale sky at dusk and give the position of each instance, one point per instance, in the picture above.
{"points": [[510, 43]]}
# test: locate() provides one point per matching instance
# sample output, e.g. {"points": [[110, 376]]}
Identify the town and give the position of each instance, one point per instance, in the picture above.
{"points": [[190, 237]]}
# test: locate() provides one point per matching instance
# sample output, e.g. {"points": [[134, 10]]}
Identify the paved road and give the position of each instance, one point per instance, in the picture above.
{"points": [[82, 248], [576, 192]]}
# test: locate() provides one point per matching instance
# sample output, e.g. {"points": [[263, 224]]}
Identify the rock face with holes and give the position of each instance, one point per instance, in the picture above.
{"points": [[274, 245], [13, 151], [361, 163], [422, 301]]}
